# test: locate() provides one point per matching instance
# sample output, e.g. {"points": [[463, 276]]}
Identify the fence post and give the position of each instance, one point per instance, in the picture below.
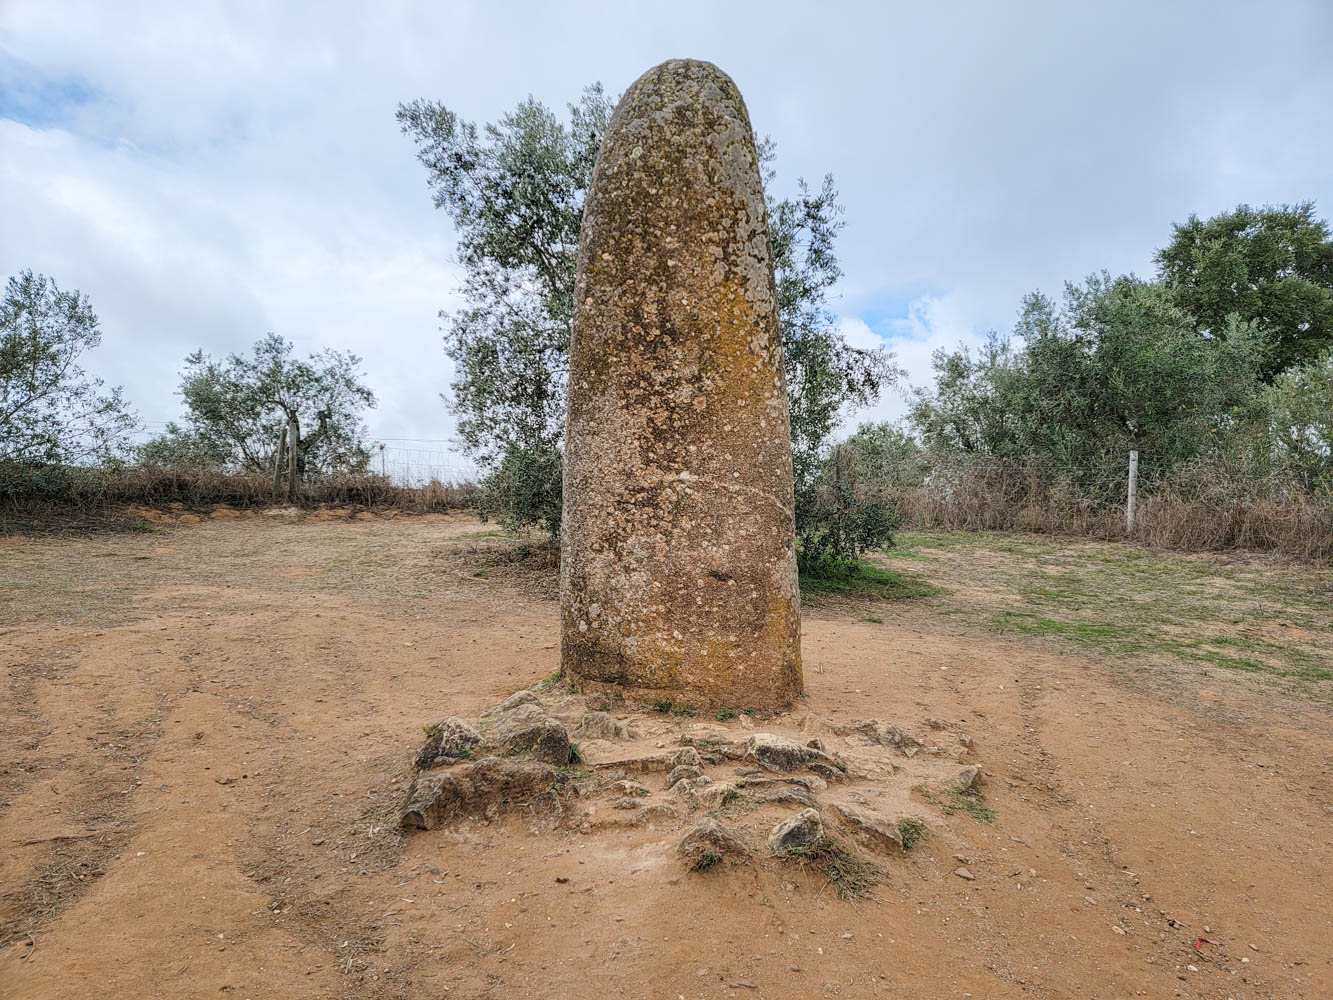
{"points": [[1133, 490]]}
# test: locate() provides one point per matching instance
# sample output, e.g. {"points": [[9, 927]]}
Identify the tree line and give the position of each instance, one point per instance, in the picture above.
{"points": [[1222, 360]]}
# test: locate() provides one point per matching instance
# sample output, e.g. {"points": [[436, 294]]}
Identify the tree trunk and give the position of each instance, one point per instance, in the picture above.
{"points": [[293, 443], [279, 460]]}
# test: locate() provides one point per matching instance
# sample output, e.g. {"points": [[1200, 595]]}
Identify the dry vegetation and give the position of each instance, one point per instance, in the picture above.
{"points": [[1208, 512]]}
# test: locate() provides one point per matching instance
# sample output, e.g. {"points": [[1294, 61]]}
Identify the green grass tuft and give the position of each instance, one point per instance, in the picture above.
{"points": [[960, 798], [913, 830], [852, 876], [864, 580]]}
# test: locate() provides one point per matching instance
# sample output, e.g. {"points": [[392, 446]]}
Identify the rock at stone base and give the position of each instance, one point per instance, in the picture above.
{"points": [[481, 789], [630, 788], [868, 827], [515, 700], [528, 728], [794, 794], [710, 738], [449, 739], [655, 762], [600, 726], [777, 753], [682, 771], [968, 777], [826, 771], [715, 794], [655, 813], [802, 832], [709, 843], [878, 732], [686, 787]]}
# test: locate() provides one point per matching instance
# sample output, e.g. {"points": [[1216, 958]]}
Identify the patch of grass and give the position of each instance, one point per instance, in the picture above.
{"points": [[546, 683], [913, 830], [864, 580], [1030, 624], [725, 714], [852, 876], [704, 860], [575, 754], [663, 706], [872, 620], [960, 798], [683, 710]]}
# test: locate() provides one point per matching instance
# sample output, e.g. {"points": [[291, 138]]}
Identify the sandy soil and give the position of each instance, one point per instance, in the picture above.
{"points": [[207, 733]]}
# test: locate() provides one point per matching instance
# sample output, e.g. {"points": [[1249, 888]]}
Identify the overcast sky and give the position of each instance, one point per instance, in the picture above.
{"points": [[207, 172]]}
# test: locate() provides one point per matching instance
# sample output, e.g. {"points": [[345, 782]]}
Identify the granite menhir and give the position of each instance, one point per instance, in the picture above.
{"points": [[678, 565]]}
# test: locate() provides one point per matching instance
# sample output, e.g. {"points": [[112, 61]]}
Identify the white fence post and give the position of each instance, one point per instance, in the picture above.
{"points": [[1133, 490]]}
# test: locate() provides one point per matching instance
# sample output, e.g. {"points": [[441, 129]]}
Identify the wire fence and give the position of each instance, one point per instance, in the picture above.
{"points": [[415, 466]]}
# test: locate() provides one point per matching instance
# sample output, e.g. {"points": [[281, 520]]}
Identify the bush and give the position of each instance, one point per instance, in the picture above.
{"points": [[847, 511], [524, 490]]}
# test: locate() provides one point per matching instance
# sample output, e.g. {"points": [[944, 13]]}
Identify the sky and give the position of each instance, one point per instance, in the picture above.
{"points": [[208, 172]]}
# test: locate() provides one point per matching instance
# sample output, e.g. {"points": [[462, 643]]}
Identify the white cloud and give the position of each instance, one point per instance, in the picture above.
{"points": [[220, 169]]}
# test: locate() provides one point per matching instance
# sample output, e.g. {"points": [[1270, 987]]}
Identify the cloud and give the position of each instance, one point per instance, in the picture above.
{"points": [[210, 171]]}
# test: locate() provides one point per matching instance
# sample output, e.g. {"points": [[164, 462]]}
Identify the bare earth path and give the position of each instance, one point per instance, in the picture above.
{"points": [[206, 732]]}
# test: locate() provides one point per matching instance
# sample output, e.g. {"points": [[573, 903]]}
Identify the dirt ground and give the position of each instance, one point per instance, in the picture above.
{"points": [[207, 732]]}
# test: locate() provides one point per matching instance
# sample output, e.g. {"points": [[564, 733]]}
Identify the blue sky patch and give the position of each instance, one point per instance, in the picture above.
{"points": [[38, 100]]}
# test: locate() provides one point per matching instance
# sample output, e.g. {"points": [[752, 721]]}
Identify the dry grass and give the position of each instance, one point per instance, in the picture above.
{"points": [[1201, 512], [84, 497]]}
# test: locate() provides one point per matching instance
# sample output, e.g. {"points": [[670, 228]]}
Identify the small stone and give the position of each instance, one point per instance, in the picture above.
{"points": [[803, 831], [963, 873], [967, 777], [1089, 900], [714, 794], [777, 753], [710, 842], [826, 771], [601, 726], [794, 794], [682, 771], [869, 827], [879, 732], [446, 741], [650, 814], [528, 728], [516, 699]]}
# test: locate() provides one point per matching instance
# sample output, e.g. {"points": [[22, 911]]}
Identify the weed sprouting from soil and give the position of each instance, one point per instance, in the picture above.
{"points": [[852, 876], [913, 830], [959, 798]]}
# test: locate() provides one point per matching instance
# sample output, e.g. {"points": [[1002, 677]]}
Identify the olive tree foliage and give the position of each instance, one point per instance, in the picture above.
{"points": [[1270, 266], [237, 409], [1299, 414], [51, 410], [515, 190], [1118, 365]]}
